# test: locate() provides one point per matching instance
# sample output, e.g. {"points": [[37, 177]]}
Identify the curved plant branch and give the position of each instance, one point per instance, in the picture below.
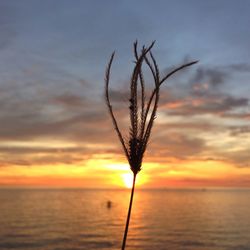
{"points": [[142, 113]]}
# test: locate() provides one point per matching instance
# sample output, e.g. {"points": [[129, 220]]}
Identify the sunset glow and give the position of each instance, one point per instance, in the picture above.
{"points": [[55, 129], [128, 180]]}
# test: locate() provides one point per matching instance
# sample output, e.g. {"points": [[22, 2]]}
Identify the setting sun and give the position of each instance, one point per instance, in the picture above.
{"points": [[128, 180]]}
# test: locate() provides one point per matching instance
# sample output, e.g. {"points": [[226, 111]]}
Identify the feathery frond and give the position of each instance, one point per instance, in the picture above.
{"points": [[142, 114], [107, 77]]}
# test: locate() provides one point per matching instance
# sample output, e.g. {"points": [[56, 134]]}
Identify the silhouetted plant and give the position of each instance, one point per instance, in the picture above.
{"points": [[142, 113]]}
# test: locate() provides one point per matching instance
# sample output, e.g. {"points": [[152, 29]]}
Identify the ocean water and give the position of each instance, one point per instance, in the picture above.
{"points": [[81, 219]]}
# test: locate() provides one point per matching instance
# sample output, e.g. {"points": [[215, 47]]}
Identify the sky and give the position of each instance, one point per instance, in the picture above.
{"points": [[55, 128]]}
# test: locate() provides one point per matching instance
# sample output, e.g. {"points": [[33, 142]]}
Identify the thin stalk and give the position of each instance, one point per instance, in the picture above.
{"points": [[140, 123], [129, 212]]}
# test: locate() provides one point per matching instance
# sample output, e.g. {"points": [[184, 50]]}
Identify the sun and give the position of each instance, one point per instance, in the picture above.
{"points": [[128, 180]]}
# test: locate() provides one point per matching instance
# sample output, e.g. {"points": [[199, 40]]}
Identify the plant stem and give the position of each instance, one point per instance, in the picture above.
{"points": [[129, 212]]}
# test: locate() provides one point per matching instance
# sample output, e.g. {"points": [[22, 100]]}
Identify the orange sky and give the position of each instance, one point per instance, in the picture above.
{"points": [[201, 150], [101, 173], [196, 150]]}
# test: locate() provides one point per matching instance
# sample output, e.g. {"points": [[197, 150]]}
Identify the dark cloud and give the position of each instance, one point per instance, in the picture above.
{"points": [[217, 105], [37, 111], [240, 67], [183, 125], [207, 79], [28, 156], [205, 92], [119, 95], [176, 145], [239, 158], [43, 150], [229, 102], [242, 130], [240, 116], [70, 100], [40, 160], [35, 156], [27, 126], [211, 76]]}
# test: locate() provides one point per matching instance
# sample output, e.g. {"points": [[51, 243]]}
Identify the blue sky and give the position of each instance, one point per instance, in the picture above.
{"points": [[53, 56], [77, 37]]}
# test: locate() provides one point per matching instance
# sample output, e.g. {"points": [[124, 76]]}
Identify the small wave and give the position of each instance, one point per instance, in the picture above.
{"points": [[193, 243], [97, 244], [89, 235], [20, 244]]}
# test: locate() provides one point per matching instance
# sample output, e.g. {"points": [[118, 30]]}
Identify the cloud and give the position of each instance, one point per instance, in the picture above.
{"points": [[118, 96], [175, 145], [242, 130], [183, 125], [71, 114], [205, 92], [207, 80], [239, 67], [213, 104], [70, 100], [238, 158], [37, 126], [39, 156], [29, 156], [212, 76], [38, 110], [240, 116]]}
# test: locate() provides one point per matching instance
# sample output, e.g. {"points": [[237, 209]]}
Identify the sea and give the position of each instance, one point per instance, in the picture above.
{"points": [[82, 219]]}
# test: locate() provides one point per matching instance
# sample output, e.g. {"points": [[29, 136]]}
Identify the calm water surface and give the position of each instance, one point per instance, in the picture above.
{"points": [[80, 219]]}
